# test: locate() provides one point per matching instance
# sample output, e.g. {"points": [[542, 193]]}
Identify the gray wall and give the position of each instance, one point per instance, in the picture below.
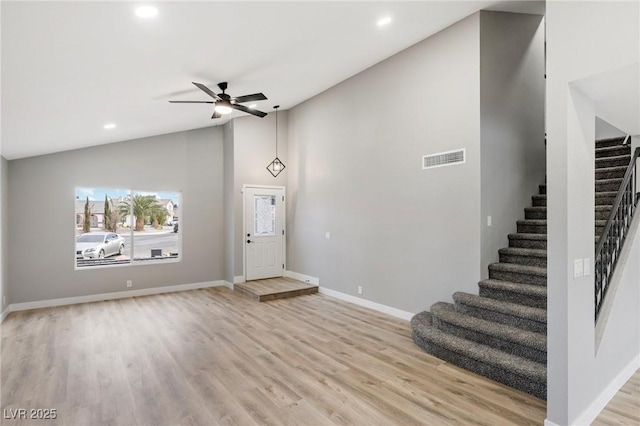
{"points": [[408, 236], [606, 130], [5, 295], [576, 374], [253, 149], [229, 205], [41, 213], [512, 123]]}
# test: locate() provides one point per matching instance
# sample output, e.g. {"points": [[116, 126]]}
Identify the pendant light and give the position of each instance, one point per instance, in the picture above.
{"points": [[276, 166]]}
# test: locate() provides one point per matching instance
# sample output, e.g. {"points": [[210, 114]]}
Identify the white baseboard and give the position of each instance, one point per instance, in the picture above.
{"points": [[549, 423], [227, 284], [239, 279], [590, 414], [367, 303], [110, 296], [4, 313], [302, 277]]}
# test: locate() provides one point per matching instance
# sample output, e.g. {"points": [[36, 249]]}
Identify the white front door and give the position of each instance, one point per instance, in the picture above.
{"points": [[264, 224]]}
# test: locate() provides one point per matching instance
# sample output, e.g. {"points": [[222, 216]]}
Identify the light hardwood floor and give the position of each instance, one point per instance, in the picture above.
{"points": [[624, 408], [213, 357]]}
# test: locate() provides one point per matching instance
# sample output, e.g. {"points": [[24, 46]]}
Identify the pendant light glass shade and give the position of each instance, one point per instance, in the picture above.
{"points": [[276, 166]]}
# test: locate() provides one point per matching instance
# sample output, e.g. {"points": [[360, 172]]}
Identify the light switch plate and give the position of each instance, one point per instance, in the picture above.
{"points": [[587, 266], [578, 268]]}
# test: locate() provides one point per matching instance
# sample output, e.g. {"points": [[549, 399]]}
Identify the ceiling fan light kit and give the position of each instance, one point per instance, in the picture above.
{"points": [[276, 166], [225, 104]]}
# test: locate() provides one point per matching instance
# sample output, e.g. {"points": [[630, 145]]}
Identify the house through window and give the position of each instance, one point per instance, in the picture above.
{"points": [[121, 227]]}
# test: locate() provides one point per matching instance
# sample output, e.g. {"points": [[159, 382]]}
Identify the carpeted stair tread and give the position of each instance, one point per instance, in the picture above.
{"points": [[514, 340], [532, 222], [610, 172], [511, 287], [535, 212], [612, 151], [539, 200], [605, 198], [602, 212], [517, 273], [533, 226], [602, 143], [542, 189], [530, 270], [618, 160], [517, 315], [512, 370], [523, 252], [525, 240]]}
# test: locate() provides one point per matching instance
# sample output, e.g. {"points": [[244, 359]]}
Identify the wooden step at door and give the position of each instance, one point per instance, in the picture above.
{"points": [[275, 288]]}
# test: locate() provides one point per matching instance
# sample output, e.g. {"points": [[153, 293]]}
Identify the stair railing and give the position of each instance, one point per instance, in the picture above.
{"points": [[615, 232]]}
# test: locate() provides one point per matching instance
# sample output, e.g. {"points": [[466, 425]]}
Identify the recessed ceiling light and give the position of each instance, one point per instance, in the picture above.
{"points": [[109, 126], [146, 11], [252, 106], [384, 21]]}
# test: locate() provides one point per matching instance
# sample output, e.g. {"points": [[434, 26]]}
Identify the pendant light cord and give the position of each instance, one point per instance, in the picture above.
{"points": [[276, 107]]}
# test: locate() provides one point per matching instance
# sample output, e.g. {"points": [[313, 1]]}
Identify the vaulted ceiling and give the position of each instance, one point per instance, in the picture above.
{"points": [[70, 68]]}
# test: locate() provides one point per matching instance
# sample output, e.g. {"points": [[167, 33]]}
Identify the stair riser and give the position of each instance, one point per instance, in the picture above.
{"points": [[607, 186], [531, 244], [610, 174], [604, 200], [603, 214], [517, 277], [507, 296], [620, 150], [539, 201], [532, 229], [524, 260], [492, 341], [542, 189], [525, 384], [608, 143], [612, 162], [499, 317], [535, 214], [599, 230]]}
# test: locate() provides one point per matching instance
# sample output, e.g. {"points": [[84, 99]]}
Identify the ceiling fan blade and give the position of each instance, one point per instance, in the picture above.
{"points": [[249, 110], [216, 114], [206, 90], [192, 102], [251, 98]]}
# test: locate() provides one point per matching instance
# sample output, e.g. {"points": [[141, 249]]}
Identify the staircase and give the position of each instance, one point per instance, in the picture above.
{"points": [[612, 160], [502, 332]]}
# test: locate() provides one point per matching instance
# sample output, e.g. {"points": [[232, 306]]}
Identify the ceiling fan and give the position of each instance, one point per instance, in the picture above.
{"points": [[224, 104]]}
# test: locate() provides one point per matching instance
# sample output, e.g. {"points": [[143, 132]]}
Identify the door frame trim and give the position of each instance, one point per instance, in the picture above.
{"points": [[244, 225]]}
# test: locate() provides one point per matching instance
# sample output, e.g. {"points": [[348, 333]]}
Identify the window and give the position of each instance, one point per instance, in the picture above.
{"points": [[121, 227]]}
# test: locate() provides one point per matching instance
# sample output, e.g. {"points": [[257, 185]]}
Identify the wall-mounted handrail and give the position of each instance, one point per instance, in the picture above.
{"points": [[615, 232]]}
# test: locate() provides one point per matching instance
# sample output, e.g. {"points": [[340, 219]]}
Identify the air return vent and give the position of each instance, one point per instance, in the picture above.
{"points": [[441, 159]]}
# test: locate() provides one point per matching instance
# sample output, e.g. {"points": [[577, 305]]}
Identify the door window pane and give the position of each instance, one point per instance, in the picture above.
{"points": [[264, 215]]}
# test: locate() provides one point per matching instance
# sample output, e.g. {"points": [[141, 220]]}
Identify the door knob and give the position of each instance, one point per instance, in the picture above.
{"points": [[249, 241]]}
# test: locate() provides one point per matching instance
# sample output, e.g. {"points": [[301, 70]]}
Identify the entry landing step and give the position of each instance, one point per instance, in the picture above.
{"points": [[275, 288]]}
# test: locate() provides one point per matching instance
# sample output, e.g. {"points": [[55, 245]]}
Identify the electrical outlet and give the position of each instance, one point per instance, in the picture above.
{"points": [[327, 235], [129, 283], [359, 289], [488, 220]]}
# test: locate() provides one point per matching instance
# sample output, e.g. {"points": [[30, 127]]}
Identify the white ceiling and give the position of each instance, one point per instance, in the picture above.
{"points": [[68, 68]]}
